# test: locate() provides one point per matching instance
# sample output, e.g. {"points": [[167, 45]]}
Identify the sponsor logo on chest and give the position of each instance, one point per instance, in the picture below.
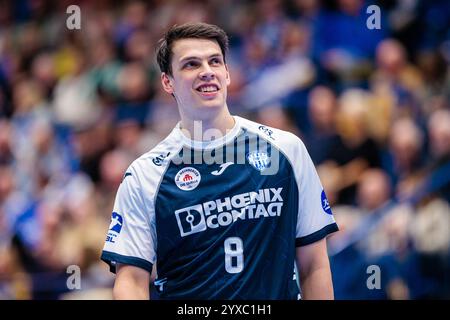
{"points": [[264, 203]]}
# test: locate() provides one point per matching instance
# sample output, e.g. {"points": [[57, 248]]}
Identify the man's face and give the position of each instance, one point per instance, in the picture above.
{"points": [[199, 77]]}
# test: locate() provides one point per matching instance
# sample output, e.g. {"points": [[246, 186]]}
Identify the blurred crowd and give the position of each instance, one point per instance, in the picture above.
{"points": [[371, 105]]}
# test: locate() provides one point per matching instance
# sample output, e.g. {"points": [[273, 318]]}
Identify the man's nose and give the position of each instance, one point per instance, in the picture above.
{"points": [[207, 73]]}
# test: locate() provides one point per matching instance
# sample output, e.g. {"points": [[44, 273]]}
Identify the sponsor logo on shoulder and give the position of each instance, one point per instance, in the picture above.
{"points": [[325, 204], [187, 179], [267, 131], [259, 160], [158, 161], [115, 227]]}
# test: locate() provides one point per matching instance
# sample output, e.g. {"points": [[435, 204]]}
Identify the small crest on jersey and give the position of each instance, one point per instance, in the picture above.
{"points": [[188, 178], [325, 204], [259, 160]]}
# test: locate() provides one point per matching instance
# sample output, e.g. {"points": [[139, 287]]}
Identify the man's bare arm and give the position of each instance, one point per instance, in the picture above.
{"points": [[132, 283], [314, 270]]}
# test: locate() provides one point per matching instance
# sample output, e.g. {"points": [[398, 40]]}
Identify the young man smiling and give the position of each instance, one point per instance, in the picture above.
{"points": [[232, 229]]}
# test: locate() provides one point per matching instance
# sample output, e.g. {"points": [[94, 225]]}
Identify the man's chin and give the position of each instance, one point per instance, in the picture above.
{"points": [[211, 104]]}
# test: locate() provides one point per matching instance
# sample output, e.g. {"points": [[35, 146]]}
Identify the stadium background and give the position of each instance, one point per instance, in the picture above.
{"points": [[372, 106]]}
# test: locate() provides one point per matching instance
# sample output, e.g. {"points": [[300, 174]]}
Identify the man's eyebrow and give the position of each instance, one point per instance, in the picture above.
{"points": [[215, 55]]}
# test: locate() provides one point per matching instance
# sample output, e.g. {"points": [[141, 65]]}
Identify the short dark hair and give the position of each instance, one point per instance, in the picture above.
{"points": [[198, 30]]}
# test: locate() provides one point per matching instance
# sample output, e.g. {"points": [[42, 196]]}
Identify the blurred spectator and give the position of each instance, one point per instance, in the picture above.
{"points": [[433, 68], [135, 94], [320, 135], [112, 168], [374, 189], [430, 237], [439, 132], [291, 71], [90, 143], [132, 19], [43, 70], [6, 150], [355, 150], [75, 100], [430, 228], [343, 45], [404, 157], [404, 80]]}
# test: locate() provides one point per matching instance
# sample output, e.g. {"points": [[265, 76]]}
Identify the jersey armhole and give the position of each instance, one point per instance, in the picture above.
{"points": [[316, 236], [112, 259]]}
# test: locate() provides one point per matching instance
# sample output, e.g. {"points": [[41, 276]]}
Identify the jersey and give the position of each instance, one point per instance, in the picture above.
{"points": [[220, 219]]}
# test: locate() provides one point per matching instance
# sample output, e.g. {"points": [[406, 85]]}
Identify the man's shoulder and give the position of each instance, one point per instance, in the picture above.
{"points": [[278, 137], [158, 156]]}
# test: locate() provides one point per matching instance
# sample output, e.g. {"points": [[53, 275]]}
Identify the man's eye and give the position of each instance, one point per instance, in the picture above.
{"points": [[216, 61], [190, 64]]}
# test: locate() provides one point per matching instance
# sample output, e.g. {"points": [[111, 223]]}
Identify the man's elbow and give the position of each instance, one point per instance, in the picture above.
{"points": [[130, 291], [118, 292], [131, 283]]}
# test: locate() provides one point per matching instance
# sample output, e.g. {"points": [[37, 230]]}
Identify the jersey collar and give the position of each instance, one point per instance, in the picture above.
{"points": [[198, 144]]}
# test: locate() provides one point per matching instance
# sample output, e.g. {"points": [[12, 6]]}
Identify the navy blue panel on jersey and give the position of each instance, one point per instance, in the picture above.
{"points": [[229, 238]]}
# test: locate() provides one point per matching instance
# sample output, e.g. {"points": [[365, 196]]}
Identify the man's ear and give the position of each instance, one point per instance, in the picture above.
{"points": [[166, 83], [228, 75]]}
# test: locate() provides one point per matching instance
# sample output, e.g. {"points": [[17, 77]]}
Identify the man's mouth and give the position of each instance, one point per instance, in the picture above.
{"points": [[208, 88]]}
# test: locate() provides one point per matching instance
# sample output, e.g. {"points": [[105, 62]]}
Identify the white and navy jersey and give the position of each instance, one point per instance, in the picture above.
{"points": [[221, 220]]}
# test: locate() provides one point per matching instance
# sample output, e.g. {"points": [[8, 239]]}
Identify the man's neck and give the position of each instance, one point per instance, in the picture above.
{"points": [[204, 129]]}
